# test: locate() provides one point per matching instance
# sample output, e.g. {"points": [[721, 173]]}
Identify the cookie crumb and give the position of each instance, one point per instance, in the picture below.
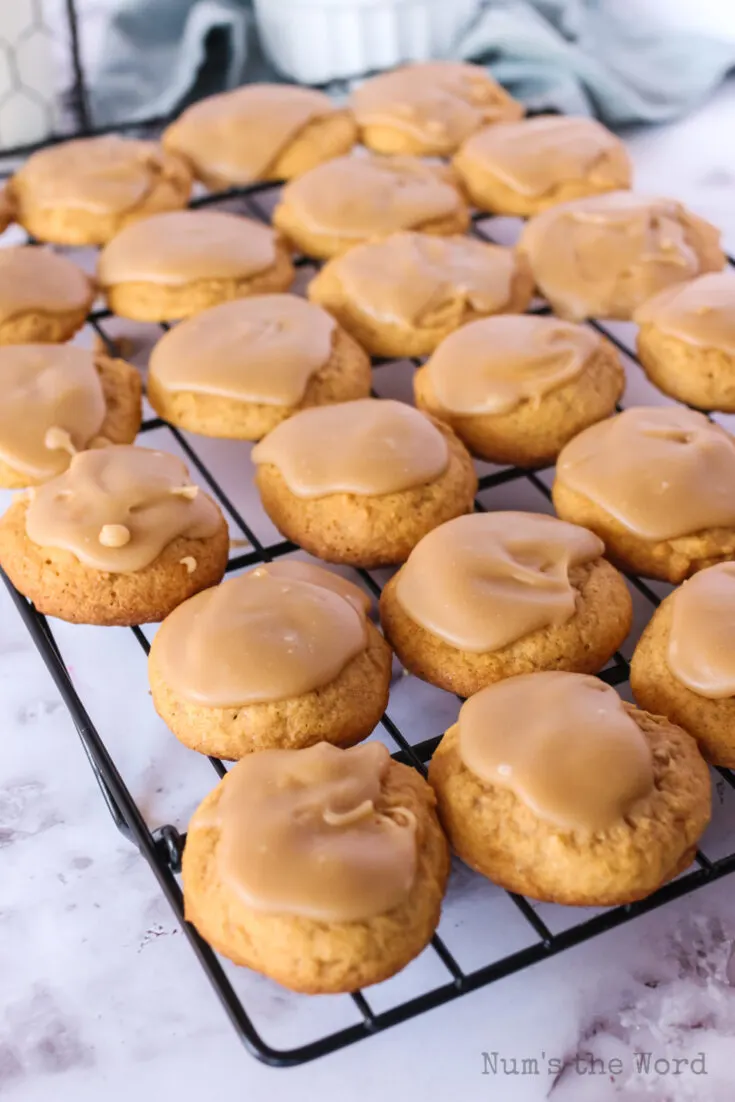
{"points": [[190, 563], [235, 543], [114, 535], [189, 492], [58, 439]]}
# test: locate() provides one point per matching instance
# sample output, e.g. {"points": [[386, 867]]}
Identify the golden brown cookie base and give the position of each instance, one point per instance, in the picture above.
{"points": [[313, 956], [501, 837], [583, 644], [390, 339], [160, 302], [710, 722], [669, 560], [7, 209], [121, 387], [370, 531], [533, 434], [79, 226], [343, 712], [345, 377], [383, 138], [489, 193], [60, 585], [701, 377]]}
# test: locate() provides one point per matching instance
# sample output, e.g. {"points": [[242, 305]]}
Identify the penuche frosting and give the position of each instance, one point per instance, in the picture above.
{"points": [[367, 447], [418, 279], [183, 246], [268, 635], [263, 349], [563, 743], [700, 312], [362, 197], [661, 472], [104, 175], [439, 103], [52, 405], [701, 647], [494, 364], [117, 508], [238, 135], [36, 279], [311, 833], [485, 580], [589, 255], [534, 156]]}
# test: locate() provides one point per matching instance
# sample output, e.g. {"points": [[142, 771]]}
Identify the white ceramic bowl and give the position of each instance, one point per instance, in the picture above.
{"points": [[314, 41]]}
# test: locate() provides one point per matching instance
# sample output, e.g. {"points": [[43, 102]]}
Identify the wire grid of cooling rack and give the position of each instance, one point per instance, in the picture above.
{"points": [[453, 973]]}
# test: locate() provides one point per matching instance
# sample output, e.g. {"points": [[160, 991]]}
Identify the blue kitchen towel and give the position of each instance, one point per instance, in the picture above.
{"points": [[574, 56]]}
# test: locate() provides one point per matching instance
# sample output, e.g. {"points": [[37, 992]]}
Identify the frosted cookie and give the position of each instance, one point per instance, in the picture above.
{"points": [[521, 168], [351, 200], [119, 538], [239, 369], [491, 595], [260, 132], [429, 108], [43, 296], [58, 400], [176, 264], [281, 657], [553, 787], [363, 481], [402, 295], [684, 665], [686, 341], [657, 486], [85, 191], [605, 255], [516, 389], [322, 868]]}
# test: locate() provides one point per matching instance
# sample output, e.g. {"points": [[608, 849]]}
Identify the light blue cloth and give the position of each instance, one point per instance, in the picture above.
{"points": [[574, 56]]}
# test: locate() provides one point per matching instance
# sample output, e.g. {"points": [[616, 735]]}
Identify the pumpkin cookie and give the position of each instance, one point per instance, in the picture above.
{"points": [[58, 400], [491, 595], [521, 168], [281, 657], [516, 389], [363, 481], [656, 485], [684, 665], [605, 255], [351, 200], [239, 369], [554, 788], [429, 108], [260, 132], [322, 868], [43, 296], [85, 191], [402, 295], [686, 341], [119, 538], [176, 264]]}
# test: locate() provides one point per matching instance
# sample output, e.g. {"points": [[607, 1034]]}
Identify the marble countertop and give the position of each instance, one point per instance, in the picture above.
{"points": [[101, 997]]}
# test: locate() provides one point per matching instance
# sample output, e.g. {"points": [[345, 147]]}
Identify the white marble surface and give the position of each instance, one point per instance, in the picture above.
{"points": [[100, 996]]}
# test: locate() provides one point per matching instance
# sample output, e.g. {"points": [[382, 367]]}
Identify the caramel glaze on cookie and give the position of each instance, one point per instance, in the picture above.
{"points": [[655, 484], [85, 191], [517, 389], [281, 657], [238, 369], [322, 868], [401, 296], [491, 595], [361, 482], [553, 787], [260, 132], [120, 538], [684, 665], [57, 400], [176, 264], [43, 296]]}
